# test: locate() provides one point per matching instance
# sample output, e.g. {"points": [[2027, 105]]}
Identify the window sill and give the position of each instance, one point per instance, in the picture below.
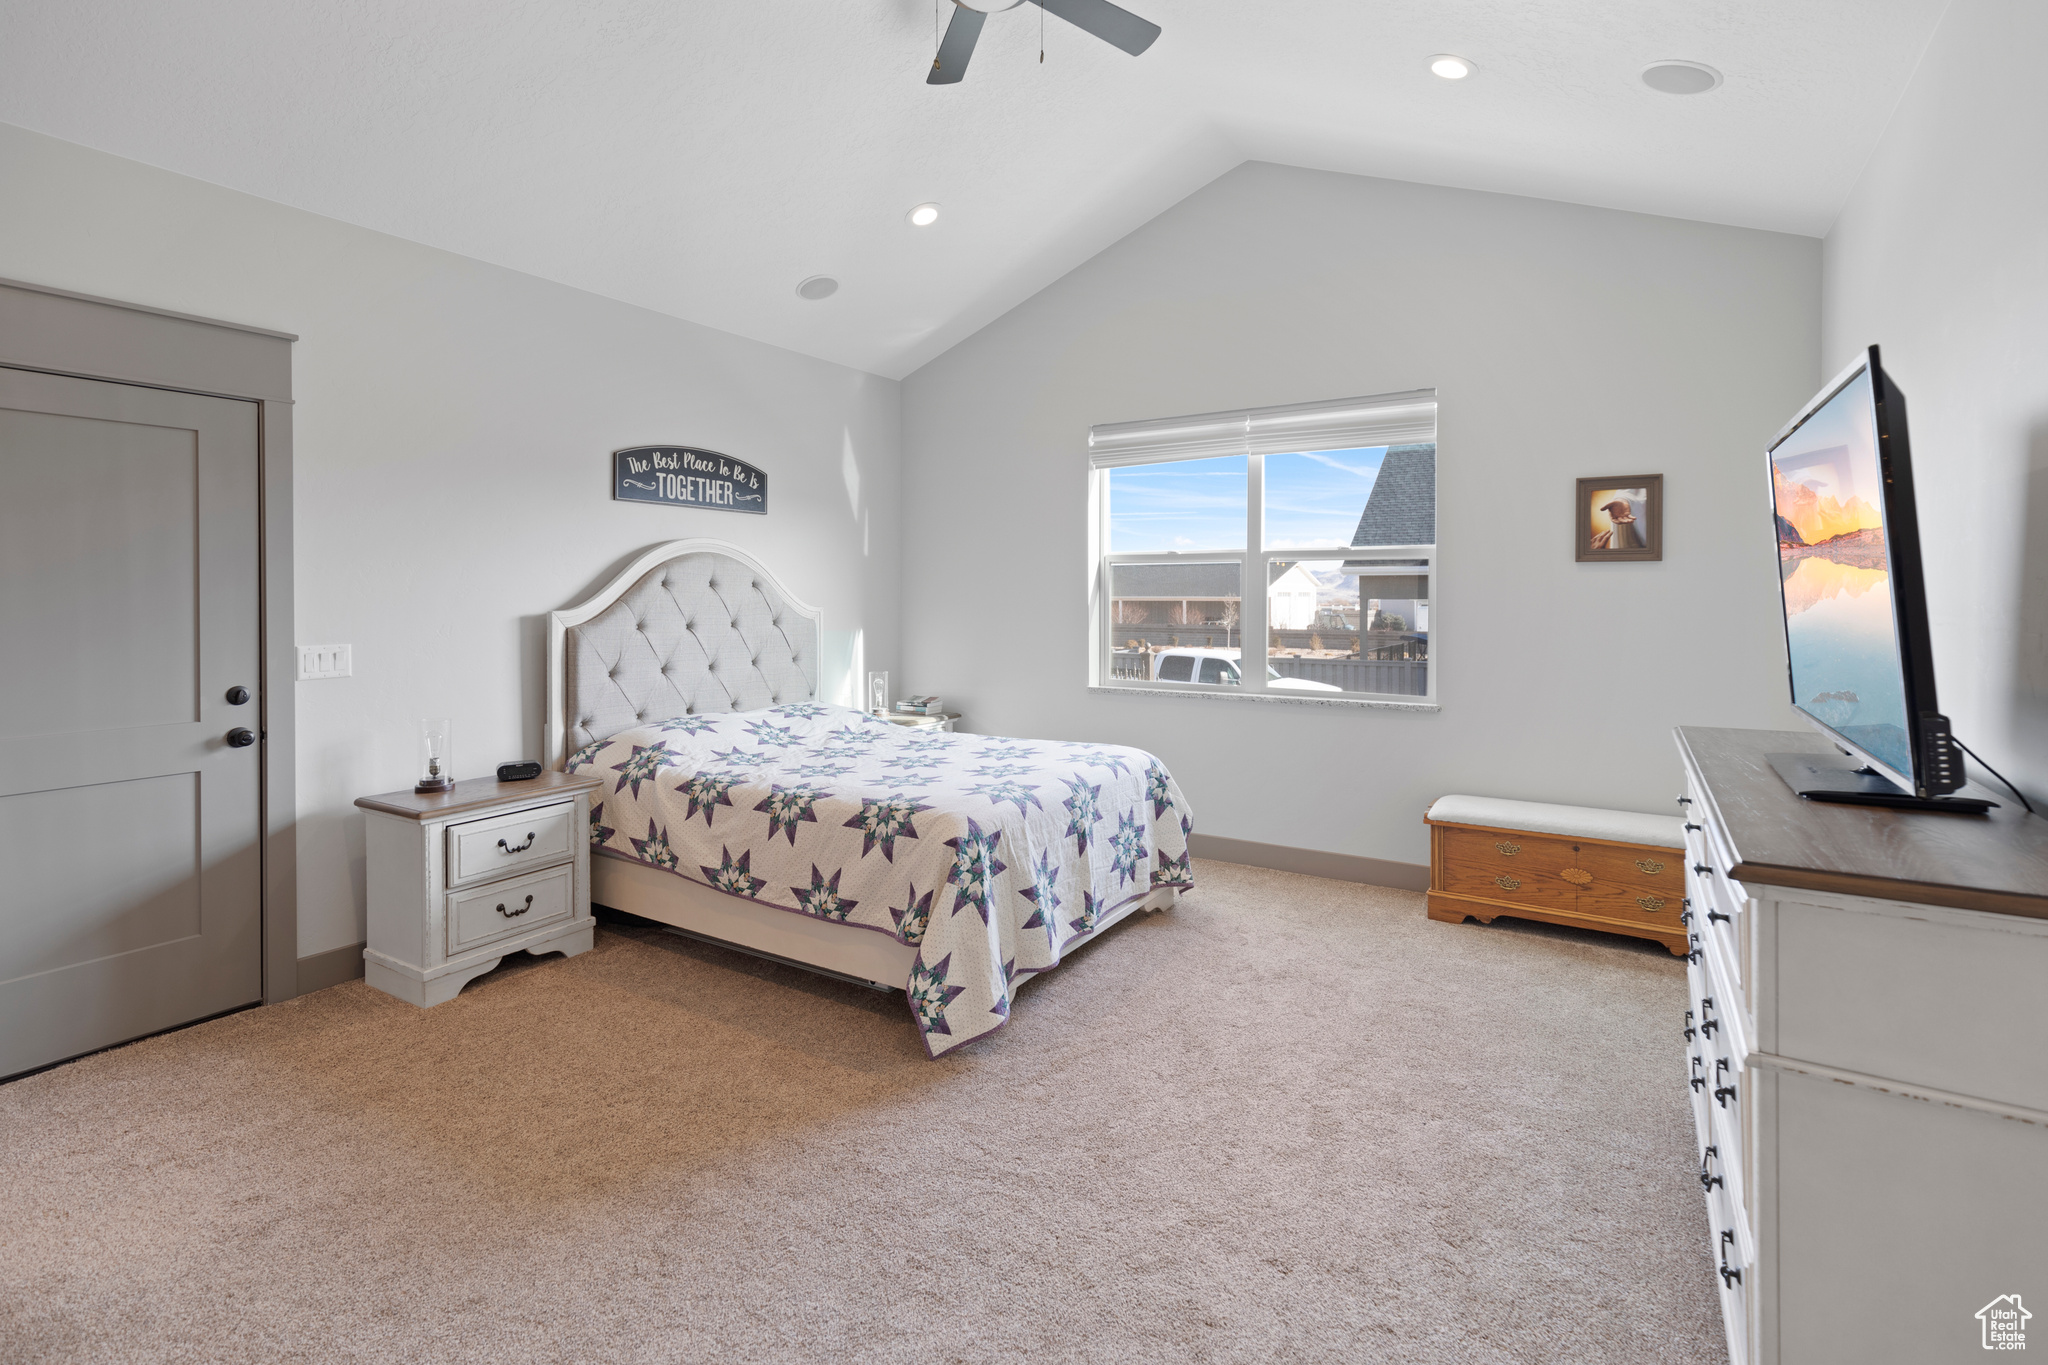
{"points": [[1276, 698]]}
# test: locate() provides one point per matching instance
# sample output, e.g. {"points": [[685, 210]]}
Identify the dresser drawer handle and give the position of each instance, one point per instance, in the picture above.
{"points": [[1713, 914], [504, 847], [1508, 850], [1650, 902], [1690, 1031], [1507, 883], [1694, 828], [1693, 956], [1649, 867], [1700, 868], [1730, 1276], [1699, 1082], [1708, 1181], [514, 914], [1724, 1093]]}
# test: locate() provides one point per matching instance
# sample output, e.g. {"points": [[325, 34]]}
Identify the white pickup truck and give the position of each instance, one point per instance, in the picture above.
{"points": [[1219, 666]]}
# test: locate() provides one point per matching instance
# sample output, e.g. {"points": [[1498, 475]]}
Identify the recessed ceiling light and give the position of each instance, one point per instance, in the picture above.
{"points": [[818, 287], [1451, 68], [924, 215], [1681, 78]]}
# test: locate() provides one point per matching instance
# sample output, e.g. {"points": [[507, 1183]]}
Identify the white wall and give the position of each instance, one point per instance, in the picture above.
{"points": [[453, 428], [1563, 341], [1941, 258]]}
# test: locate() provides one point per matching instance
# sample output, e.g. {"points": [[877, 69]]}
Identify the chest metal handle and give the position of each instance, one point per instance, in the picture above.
{"points": [[1649, 867], [1508, 850], [514, 914], [504, 847], [1507, 883], [1650, 902]]}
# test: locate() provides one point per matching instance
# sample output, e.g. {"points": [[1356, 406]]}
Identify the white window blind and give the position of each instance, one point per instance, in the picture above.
{"points": [[1335, 424]]}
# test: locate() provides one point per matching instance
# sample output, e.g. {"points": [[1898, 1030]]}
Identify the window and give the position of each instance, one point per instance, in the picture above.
{"points": [[1331, 505]]}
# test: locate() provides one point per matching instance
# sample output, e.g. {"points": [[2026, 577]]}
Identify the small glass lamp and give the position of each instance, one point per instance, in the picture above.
{"points": [[878, 693], [437, 772]]}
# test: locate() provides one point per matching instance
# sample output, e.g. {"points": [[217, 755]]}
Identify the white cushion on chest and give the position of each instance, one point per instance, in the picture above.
{"points": [[1539, 817]]}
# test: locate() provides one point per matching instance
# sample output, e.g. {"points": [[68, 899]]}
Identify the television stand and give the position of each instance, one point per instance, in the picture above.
{"points": [[1828, 777]]}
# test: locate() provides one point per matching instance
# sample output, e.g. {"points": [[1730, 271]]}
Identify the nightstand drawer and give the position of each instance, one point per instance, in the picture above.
{"points": [[506, 843], [512, 906]]}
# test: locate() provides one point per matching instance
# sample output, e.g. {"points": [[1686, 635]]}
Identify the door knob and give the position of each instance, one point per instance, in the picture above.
{"points": [[238, 696], [241, 737]]}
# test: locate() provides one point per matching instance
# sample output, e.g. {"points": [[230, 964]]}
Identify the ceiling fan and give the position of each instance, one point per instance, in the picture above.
{"points": [[1117, 27]]}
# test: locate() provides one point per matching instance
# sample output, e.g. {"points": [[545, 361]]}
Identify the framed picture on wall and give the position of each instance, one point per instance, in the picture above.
{"points": [[1620, 517]]}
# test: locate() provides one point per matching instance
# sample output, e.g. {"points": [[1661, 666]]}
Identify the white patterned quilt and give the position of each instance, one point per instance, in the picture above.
{"points": [[990, 856]]}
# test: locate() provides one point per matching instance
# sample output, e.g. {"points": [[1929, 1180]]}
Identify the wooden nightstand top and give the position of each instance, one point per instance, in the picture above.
{"points": [[476, 794]]}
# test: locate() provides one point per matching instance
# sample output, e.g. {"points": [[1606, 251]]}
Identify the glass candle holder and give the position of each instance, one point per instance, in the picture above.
{"points": [[437, 769], [878, 693]]}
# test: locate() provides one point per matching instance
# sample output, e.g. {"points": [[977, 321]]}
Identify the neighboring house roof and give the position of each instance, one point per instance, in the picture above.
{"points": [[1206, 581], [1402, 507]]}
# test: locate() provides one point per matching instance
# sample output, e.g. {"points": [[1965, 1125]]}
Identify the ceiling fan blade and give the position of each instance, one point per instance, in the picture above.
{"points": [[958, 45], [1117, 27]]}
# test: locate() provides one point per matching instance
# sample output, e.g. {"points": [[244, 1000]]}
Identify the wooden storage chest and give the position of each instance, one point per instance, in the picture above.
{"points": [[1595, 869]]}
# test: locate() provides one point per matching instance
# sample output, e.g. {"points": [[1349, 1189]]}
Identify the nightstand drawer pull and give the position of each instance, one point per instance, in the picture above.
{"points": [[504, 847], [510, 914], [1507, 883], [1508, 850], [1650, 902], [1649, 867]]}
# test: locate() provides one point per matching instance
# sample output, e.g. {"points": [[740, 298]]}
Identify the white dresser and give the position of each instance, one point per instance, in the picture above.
{"points": [[459, 879], [1867, 1057]]}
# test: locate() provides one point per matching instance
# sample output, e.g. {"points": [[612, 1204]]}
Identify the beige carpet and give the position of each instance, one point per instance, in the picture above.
{"points": [[1291, 1120]]}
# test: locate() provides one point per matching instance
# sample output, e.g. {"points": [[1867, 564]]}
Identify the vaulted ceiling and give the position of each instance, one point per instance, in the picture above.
{"points": [[701, 157]]}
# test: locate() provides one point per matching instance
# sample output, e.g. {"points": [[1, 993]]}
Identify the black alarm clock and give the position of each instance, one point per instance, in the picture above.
{"points": [[524, 771]]}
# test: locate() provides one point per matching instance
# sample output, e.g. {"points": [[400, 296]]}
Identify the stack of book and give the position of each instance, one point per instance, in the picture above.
{"points": [[920, 706]]}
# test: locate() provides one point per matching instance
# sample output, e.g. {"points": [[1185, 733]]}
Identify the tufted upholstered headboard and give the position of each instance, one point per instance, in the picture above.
{"points": [[690, 626]]}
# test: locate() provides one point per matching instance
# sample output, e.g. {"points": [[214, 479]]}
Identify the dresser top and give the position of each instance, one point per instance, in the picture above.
{"points": [[476, 795], [1997, 861]]}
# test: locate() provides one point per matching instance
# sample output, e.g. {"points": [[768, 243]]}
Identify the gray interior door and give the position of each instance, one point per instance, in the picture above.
{"points": [[130, 876]]}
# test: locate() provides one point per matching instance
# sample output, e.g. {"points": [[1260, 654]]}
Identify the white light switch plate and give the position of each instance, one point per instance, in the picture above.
{"points": [[324, 661]]}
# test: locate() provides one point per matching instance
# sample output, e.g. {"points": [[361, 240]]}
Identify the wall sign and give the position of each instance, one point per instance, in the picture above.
{"points": [[682, 477]]}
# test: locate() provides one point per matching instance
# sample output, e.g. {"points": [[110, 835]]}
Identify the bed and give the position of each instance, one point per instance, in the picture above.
{"points": [[740, 808]]}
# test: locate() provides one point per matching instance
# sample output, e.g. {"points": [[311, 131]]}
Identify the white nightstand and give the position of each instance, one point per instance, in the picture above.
{"points": [[938, 722], [458, 879]]}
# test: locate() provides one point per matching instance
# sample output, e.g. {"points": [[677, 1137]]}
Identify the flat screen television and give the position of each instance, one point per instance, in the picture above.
{"points": [[1854, 602]]}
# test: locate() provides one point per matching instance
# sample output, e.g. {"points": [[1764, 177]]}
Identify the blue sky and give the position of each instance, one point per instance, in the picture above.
{"points": [[1311, 499]]}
